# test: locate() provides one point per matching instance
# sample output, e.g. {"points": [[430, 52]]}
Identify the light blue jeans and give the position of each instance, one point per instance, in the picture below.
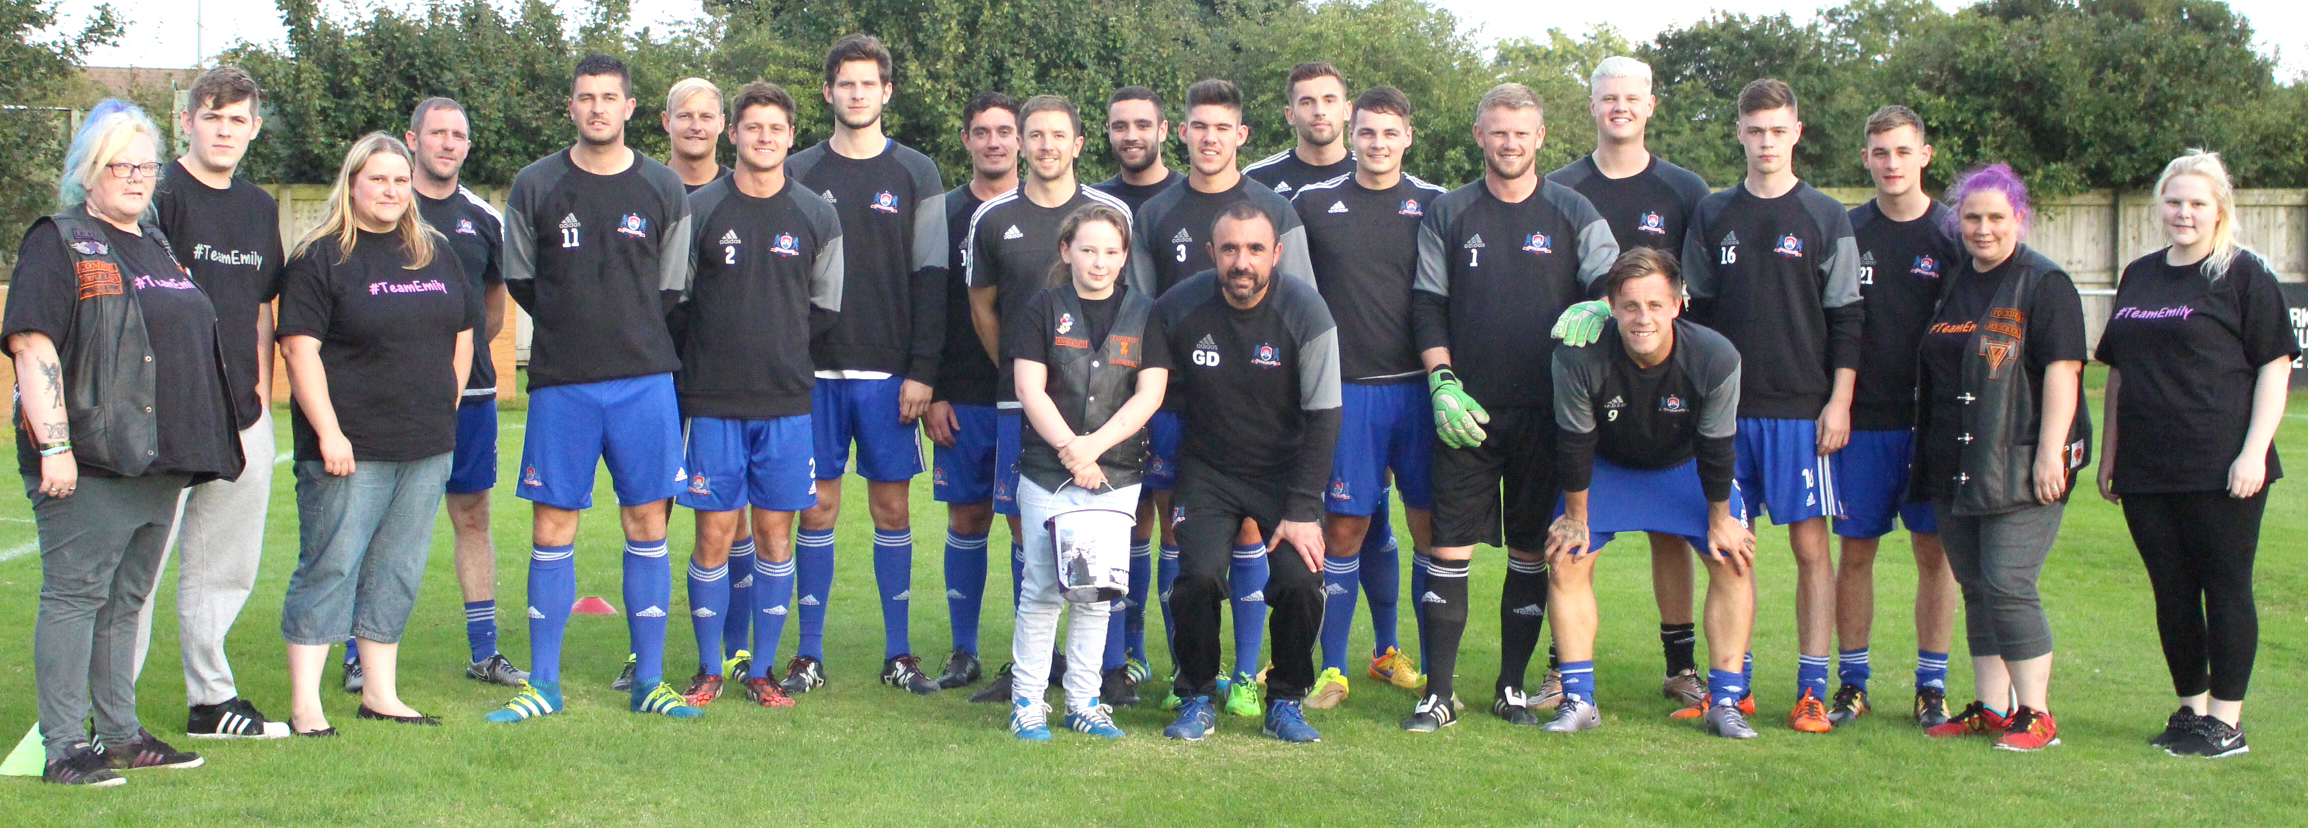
{"points": [[361, 552]]}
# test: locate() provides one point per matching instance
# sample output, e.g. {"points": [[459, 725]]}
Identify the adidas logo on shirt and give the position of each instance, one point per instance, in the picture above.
{"points": [[809, 601], [730, 238], [702, 612], [1474, 243], [1338, 207], [1867, 258], [534, 614], [1207, 344], [1730, 239], [1183, 237], [829, 197], [652, 612], [1530, 611], [1013, 233], [1431, 598], [570, 222], [1281, 187]]}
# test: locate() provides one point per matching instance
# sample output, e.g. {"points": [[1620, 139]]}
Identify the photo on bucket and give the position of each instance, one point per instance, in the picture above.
{"points": [[1093, 547]]}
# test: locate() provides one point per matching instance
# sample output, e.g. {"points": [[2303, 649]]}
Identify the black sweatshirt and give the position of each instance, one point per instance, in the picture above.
{"points": [[1654, 418], [893, 224], [1012, 244], [596, 260], [1364, 244], [966, 375], [1258, 388], [1285, 173], [1902, 267], [769, 281], [1651, 208], [230, 240], [476, 234], [1493, 277], [1170, 236], [1780, 278]]}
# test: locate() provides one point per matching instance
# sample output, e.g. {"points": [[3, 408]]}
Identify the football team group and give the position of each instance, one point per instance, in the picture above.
{"points": [[1229, 371]]}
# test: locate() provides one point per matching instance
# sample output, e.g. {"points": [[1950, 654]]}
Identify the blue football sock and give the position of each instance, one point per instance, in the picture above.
{"points": [[737, 623], [1165, 576], [1811, 675], [965, 587], [1579, 680], [1419, 562], [772, 594], [648, 592], [352, 650], [1725, 687], [709, 591], [481, 628], [1930, 670], [1381, 570], [1246, 581], [1747, 674], [1116, 639], [1134, 612], [1017, 573], [1851, 667], [1341, 582], [894, 577], [552, 591], [813, 571]]}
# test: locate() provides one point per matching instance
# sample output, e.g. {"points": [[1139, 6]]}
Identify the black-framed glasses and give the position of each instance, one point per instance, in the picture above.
{"points": [[123, 169]]}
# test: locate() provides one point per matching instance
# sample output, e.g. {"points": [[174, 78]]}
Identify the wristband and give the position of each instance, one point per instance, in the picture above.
{"points": [[53, 449]]}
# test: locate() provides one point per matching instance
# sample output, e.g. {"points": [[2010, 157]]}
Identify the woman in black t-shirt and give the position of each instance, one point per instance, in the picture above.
{"points": [[115, 347], [2200, 356], [377, 324], [2000, 433]]}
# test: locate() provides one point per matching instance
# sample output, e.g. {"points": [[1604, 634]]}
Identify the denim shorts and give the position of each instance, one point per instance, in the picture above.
{"points": [[362, 542]]}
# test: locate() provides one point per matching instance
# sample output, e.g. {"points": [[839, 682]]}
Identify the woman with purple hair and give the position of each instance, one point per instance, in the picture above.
{"points": [[2002, 430]]}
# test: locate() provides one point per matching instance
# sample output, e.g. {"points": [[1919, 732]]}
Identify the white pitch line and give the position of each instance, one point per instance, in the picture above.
{"points": [[14, 552]]}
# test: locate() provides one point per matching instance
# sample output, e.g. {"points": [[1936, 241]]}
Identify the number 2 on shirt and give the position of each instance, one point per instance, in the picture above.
{"points": [[729, 254]]}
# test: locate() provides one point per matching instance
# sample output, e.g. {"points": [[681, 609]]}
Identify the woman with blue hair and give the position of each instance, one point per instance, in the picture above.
{"points": [[121, 384]]}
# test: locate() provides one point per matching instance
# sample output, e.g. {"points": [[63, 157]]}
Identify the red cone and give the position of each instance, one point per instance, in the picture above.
{"points": [[593, 605]]}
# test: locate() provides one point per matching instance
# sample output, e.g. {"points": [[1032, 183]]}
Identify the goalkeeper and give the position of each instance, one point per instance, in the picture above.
{"points": [[1498, 262]]}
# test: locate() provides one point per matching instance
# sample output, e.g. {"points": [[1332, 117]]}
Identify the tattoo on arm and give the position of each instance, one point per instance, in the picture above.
{"points": [[57, 431], [55, 378]]}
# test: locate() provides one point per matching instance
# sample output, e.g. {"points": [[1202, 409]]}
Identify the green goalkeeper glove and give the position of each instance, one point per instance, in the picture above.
{"points": [[1458, 419], [1582, 323]]}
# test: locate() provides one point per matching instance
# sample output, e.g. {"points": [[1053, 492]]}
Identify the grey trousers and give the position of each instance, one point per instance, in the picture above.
{"points": [[1997, 559], [99, 550], [218, 535]]}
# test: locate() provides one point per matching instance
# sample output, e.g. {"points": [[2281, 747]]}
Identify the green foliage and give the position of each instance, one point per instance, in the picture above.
{"points": [[39, 73]]}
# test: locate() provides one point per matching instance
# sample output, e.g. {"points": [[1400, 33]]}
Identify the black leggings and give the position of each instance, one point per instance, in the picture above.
{"points": [[2198, 547]]}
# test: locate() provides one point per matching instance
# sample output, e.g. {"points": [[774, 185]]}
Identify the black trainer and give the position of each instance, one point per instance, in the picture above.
{"points": [[82, 765], [2176, 728], [148, 752], [961, 670], [353, 679], [233, 719], [625, 678], [496, 669], [802, 674], [2211, 739], [998, 690], [905, 673], [1116, 689], [1510, 704], [1431, 714], [1930, 706]]}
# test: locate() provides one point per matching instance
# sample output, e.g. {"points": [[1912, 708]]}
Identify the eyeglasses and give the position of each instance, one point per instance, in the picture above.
{"points": [[148, 169]]}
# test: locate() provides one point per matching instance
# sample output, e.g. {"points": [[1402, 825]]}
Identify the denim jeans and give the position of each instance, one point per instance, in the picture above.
{"points": [[362, 540]]}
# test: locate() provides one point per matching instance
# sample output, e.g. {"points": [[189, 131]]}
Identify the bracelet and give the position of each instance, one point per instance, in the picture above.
{"points": [[53, 449]]}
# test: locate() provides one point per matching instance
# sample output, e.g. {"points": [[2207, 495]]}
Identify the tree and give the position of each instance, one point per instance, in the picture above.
{"points": [[39, 74]]}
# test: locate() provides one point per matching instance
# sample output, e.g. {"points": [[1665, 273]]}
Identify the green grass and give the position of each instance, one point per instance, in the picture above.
{"points": [[859, 753]]}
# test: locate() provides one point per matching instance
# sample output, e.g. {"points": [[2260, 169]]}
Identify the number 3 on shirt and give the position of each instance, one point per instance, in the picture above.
{"points": [[1182, 253]]}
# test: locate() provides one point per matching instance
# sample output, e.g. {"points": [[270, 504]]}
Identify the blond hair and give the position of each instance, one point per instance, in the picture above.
{"points": [[689, 88], [416, 235], [2198, 162]]}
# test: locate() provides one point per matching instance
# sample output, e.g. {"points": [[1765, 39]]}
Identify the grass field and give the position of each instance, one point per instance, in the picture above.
{"points": [[859, 753]]}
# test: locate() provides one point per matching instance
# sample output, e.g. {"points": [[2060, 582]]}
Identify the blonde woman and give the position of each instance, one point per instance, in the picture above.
{"points": [[123, 405], [377, 322], [2199, 353]]}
